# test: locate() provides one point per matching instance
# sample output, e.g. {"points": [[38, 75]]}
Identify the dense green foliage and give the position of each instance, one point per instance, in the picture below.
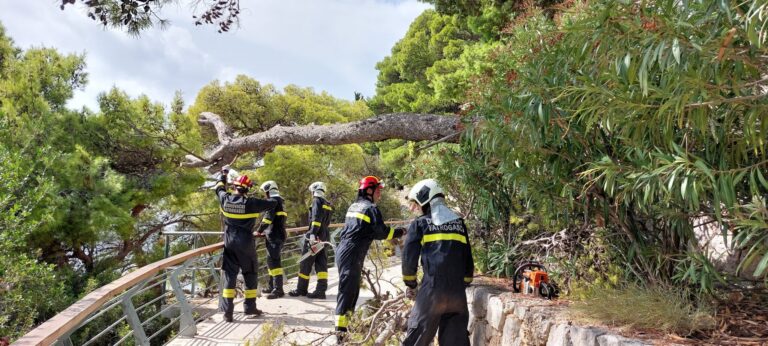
{"points": [[80, 190], [423, 74], [623, 125], [412, 78], [86, 193], [599, 136], [630, 122]]}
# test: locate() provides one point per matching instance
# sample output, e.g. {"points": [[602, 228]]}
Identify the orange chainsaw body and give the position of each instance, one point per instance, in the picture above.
{"points": [[532, 281], [531, 278]]}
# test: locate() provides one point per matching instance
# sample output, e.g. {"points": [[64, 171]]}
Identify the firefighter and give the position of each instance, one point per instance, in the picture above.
{"points": [[319, 218], [273, 229], [363, 224], [239, 214], [439, 237]]}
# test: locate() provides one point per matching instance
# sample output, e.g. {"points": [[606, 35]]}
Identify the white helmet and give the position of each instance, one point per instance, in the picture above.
{"points": [[424, 191], [317, 186], [269, 186]]}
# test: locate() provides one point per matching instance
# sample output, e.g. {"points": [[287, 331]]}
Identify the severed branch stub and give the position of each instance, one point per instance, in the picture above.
{"points": [[407, 126]]}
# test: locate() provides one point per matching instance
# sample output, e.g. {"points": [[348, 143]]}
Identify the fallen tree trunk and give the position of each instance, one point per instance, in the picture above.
{"points": [[407, 126]]}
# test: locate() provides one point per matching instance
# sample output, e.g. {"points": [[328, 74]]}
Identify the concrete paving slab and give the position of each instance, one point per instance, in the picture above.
{"points": [[305, 320]]}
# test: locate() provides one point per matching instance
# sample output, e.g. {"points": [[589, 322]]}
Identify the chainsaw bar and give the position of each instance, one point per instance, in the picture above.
{"points": [[310, 253]]}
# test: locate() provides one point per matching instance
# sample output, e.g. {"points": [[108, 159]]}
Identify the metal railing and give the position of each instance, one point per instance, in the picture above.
{"points": [[168, 297], [290, 253]]}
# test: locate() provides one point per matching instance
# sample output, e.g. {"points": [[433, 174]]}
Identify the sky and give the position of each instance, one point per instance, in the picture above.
{"points": [[329, 45]]}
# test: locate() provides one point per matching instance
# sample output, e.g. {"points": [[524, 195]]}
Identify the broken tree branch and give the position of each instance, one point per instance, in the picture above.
{"points": [[451, 137], [407, 126], [223, 131], [385, 306]]}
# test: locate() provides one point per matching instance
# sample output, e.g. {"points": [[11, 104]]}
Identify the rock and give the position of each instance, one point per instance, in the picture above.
{"points": [[585, 336], [478, 337], [560, 336], [479, 301], [535, 328], [470, 291], [495, 315], [511, 330], [490, 331], [507, 319], [510, 302], [520, 311], [471, 321], [616, 340]]}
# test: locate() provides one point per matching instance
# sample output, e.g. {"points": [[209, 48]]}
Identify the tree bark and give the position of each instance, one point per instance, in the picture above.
{"points": [[407, 126]]}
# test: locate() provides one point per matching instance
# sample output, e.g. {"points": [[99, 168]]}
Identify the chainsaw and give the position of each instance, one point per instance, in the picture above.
{"points": [[314, 248], [531, 278]]}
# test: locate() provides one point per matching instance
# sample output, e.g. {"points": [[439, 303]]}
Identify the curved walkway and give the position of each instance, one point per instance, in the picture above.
{"points": [[305, 320]]}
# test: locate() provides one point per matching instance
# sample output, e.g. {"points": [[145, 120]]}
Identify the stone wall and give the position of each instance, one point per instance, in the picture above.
{"points": [[504, 318]]}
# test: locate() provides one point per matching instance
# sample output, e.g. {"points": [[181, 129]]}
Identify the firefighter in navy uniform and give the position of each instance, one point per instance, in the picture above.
{"points": [[319, 218], [439, 237], [363, 224], [273, 229], [239, 214]]}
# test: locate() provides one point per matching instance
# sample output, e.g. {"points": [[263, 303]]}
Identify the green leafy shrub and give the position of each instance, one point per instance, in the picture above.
{"points": [[29, 292], [502, 259]]}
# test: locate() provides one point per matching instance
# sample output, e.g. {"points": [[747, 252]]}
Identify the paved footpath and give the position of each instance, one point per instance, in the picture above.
{"points": [[309, 317]]}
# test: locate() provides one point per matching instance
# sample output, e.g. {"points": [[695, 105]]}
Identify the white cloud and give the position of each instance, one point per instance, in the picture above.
{"points": [[228, 73], [330, 45]]}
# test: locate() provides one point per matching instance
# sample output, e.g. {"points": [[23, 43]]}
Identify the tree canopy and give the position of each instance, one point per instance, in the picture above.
{"points": [[600, 137], [87, 193], [643, 120]]}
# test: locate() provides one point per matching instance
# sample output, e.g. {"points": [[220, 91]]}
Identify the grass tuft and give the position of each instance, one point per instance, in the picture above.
{"points": [[635, 307]]}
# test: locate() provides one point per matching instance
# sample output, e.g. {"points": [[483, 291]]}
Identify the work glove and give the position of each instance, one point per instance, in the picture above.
{"points": [[411, 292], [312, 239]]}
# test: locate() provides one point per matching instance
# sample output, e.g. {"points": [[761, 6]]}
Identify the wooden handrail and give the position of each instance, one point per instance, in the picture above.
{"points": [[51, 330], [334, 225], [48, 332], [288, 230]]}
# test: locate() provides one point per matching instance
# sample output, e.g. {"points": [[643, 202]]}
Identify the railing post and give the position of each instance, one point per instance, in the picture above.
{"points": [[132, 317], [216, 278], [214, 270], [167, 253], [194, 282], [186, 321]]}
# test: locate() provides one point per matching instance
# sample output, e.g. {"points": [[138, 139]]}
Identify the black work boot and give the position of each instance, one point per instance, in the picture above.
{"points": [[340, 337], [296, 293], [228, 318], [276, 294], [316, 295], [250, 313], [269, 286]]}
